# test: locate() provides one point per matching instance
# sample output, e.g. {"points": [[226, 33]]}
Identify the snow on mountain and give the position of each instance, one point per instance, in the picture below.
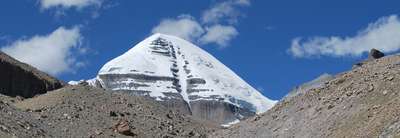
{"points": [[166, 67]]}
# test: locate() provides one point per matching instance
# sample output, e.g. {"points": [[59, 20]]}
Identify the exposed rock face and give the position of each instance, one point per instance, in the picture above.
{"points": [[20, 79], [375, 54], [181, 75], [363, 102]]}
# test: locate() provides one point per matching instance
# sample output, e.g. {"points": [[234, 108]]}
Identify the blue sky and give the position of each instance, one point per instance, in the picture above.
{"points": [[272, 44]]}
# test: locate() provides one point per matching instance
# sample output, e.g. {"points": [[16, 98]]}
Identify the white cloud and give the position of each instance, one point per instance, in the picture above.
{"points": [[51, 53], [383, 35], [66, 4], [211, 28], [226, 10], [188, 28], [219, 34], [243, 2], [184, 26]]}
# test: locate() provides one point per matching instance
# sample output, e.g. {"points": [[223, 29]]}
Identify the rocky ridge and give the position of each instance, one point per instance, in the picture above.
{"points": [[20, 79], [363, 102]]}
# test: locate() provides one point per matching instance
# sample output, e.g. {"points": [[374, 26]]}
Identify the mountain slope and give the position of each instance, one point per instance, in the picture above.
{"points": [[16, 123], [180, 74], [79, 111], [316, 83], [363, 102], [20, 79]]}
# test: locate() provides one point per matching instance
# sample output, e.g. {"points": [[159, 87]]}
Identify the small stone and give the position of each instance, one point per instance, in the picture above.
{"points": [[67, 116], [43, 116], [257, 118], [192, 134], [330, 106], [385, 92], [371, 88], [123, 128], [19, 98], [348, 94], [375, 107], [173, 133], [98, 132], [169, 116], [113, 114]]}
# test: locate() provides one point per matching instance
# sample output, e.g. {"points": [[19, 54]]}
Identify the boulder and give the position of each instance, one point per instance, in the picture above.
{"points": [[122, 127], [375, 54]]}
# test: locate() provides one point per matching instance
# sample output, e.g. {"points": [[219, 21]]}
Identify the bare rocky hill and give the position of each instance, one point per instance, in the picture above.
{"points": [[20, 79], [80, 111], [363, 102]]}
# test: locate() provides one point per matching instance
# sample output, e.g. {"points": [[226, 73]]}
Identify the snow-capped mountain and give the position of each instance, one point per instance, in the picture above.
{"points": [[179, 73]]}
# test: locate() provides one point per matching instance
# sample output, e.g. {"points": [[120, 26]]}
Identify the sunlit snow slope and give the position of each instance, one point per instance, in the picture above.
{"points": [[167, 67]]}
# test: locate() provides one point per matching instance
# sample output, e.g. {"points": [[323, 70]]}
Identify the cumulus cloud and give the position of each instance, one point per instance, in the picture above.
{"points": [[383, 35], [219, 34], [185, 26], [188, 28], [210, 29], [52, 53], [66, 4], [226, 10]]}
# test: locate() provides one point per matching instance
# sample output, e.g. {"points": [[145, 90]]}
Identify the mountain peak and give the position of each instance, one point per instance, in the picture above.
{"points": [[172, 70], [160, 35], [167, 37]]}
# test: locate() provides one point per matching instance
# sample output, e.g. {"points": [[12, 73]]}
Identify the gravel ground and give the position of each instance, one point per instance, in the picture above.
{"points": [[363, 102], [81, 111]]}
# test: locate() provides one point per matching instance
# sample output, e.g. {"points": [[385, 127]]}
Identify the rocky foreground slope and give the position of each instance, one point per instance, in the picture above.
{"points": [[20, 79], [80, 111], [363, 102]]}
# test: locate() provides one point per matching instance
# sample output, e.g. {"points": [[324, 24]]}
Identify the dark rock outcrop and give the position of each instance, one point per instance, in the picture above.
{"points": [[20, 79], [375, 54]]}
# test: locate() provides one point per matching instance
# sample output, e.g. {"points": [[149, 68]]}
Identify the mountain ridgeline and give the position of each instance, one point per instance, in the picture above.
{"points": [[20, 79]]}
